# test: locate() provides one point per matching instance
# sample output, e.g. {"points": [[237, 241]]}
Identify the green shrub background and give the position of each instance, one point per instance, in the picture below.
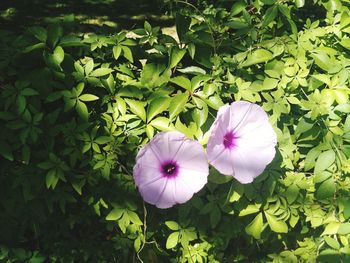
{"points": [[76, 107]]}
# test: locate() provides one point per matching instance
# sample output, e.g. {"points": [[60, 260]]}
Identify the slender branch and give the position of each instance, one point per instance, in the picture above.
{"points": [[144, 231], [124, 168]]}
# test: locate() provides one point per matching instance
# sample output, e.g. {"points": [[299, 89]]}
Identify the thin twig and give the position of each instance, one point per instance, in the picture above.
{"points": [[124, 168], [144, 231]]}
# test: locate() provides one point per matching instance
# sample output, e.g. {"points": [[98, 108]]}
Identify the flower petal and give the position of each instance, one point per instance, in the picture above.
{"points": [[254, 145], [220, 158], [220, 124], [241, 112], [250, 162], [189, 182], [162, 189], [167, 144], [191, 155], [153, 192], [257, 135], [147, 165]]}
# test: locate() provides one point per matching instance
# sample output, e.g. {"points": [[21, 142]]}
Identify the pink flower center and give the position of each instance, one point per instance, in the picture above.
{"points": [[229, 140], [170, 169]]}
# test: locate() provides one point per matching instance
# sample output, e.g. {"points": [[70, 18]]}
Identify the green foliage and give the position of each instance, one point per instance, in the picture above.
{"points": [[75, 109]]}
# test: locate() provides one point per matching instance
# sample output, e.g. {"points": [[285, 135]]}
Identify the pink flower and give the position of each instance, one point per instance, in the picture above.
{"points": [[170, 169], [242, 141]]}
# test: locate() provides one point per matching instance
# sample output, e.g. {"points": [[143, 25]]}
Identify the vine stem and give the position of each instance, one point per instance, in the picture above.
{"points": [[144, 231], [124, 168]]}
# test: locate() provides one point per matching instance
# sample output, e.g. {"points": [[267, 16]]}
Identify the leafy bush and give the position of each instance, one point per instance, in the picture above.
{"points": [[75, 109]]}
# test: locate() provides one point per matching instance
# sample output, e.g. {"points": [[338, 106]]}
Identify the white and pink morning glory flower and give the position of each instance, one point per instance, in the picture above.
{"points": [[170, 169], [242, 141]]}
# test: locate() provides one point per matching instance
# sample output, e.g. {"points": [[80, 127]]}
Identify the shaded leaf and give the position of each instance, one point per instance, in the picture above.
{"points": [[137, 108]]}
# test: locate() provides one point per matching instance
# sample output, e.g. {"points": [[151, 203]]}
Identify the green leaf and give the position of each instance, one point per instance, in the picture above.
{"points": [[149, 131], [137, 108], [176, 55], [96, 148], [89, 66], [326, 189], [177, 104], [117, 51], [323, 78], [250, 209], [25, 154], [128, 54], [236, 24], [238, 7], [82, 110], [21, 104], [46, 165], [157, 106], [39, 32], [29, 92], [299, 3], [217, 178], [172, 225], [182, 25], [103, 139], [269, 84], [51, 179], [331, 228], [275, 224], [78, 185], [215, 216], [88, 97], [200, 114], [322, 176], [147, 27], [257, 56], [54, 32], [345, 43], [344, 229], [322, 60], [310, 158], [347, 124], [284, 10], [292, 193], [115, 214], [293, 100], [134, 218], [6, 151], [236, 192], [172, 240], [154, 75], [255, 227], [324, 160], [77, 90], [161, 123], [58, 55], [270, 15], [137, 243], [101, 72], [182, 82], [191, 50], [192, 70], [332, 242], [214, 102]]}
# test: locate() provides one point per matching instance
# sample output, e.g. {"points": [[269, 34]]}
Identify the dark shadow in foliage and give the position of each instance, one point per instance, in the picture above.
{"points": [[117, 14]]}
